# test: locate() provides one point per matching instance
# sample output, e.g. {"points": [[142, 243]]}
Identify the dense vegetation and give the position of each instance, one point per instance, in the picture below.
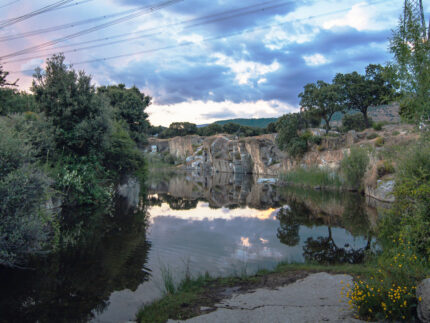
{"points": [[67, 141], [255, 122]]}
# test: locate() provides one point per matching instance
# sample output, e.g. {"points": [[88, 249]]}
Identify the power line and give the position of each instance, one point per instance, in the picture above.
{"points": [[64, 26], [137, 13], [185, 44], [194, 23], [8, 4], [12, 21]]}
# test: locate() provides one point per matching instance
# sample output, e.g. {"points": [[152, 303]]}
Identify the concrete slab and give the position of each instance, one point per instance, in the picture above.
{"points": [[312, 299]]}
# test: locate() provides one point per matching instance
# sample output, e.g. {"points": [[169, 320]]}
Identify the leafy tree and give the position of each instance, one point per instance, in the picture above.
{"points": [[231, 128], [129, 105], [288, 138], [182, 128], [322, 100], [363, 91], [271, 127], [3, 76], [411, 48], [210, 130], [82, 118], [353, 122]]}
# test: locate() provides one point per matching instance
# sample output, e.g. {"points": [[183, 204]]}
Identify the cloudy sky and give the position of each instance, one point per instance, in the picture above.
{"points": [[201, 60]]}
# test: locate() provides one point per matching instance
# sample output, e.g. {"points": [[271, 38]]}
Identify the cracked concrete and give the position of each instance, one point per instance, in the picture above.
{"points": [[315, 298]]}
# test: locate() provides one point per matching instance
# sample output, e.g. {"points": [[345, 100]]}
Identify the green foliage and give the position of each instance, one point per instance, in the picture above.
{"points": [[24, 224], [83, 181], [373, 88], [82, 119], [12, 101], [210, 130], [411, 48], [372, 135], [288, 138], [385, 167], [179, 129], [410, 215], [377, 126], [379, 142], [316, 140], [271, 127], [322, 100], [354, 166], [389, 295], [353, 122], [313, 177], [122, 145], [129, 105]]}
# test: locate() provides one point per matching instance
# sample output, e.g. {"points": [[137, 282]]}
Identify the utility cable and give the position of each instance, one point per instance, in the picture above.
{"points": [[216, 18], [136, 14], [185, 44]]}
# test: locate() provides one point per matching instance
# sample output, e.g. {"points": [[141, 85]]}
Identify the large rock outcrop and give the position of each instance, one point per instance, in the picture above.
{"points": [[253, 155]]}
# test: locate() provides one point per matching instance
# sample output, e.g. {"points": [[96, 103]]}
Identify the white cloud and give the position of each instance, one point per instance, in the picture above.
{"points": [[245, 70], [278, 37], [197, 111], [315, 60], [359, 17]]}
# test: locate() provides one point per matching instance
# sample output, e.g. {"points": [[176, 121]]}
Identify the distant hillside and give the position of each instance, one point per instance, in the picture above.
{"points": [[258, 123]]}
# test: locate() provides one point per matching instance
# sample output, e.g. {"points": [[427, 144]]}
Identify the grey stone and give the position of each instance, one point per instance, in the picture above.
{"points": [[423, 309], [313, 299]]}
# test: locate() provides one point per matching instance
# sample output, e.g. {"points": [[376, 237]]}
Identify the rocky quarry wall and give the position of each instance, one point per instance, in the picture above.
{"points": [[261, 156]]}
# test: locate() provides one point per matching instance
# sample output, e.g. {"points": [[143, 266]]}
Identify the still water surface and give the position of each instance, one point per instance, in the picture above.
{"points": [[219, 224]]}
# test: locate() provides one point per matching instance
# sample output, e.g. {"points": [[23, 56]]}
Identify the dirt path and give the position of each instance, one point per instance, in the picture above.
{"points": [[315, 298]]}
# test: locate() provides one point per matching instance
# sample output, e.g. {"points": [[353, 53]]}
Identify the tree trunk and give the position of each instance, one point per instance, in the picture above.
{"points": [[327, 125], [366, 118]]}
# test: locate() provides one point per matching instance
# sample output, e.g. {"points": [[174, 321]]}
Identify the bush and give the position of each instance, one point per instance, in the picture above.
{"points": [[396, 133], [25, 226], [372, 135], [297, 147], [316, 140], [13, 150], [313, 177], [377, 126], [384, 168], [379, 142], [390, 294], [353, 122], [354, 167]]}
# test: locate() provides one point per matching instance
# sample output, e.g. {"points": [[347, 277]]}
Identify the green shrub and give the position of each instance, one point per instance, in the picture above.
{"points": [[384, 168], [377, 126], [372, 135], [313, 177], [379, 142], [396, 133], [297, 147], [25, 226], [13, 150], [353, 122], [122, 155], [354, 167], [316, 140], [390, 295]]}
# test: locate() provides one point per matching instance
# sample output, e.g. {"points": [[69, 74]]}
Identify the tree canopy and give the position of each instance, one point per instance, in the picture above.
{"points": [[322, 100]]}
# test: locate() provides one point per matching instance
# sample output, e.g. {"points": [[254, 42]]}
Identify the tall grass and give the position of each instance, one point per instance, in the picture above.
{"points": [[313, 177]]}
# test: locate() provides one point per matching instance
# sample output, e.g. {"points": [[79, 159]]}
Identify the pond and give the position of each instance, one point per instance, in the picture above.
{"points": [[220, 224]]}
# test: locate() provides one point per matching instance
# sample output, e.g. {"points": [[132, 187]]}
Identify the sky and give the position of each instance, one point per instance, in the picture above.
{"points": [[202, 60]]}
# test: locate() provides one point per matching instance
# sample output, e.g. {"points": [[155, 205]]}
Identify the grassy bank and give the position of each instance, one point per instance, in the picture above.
{"points": [[313, 177], [185, 300]]}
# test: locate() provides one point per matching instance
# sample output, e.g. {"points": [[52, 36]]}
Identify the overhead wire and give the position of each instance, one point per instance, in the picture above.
{"points": [[64, 26], [190, 43], [137, 13], [8, 4], [48, 8], [192, 23]]}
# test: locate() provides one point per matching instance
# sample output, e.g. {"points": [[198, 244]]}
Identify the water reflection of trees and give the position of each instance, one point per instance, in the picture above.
{"points": [[103, 253], [324, 249]]}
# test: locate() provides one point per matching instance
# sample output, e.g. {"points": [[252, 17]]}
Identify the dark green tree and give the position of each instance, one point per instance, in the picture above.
{"points": [[288, 138], [360, 92], [82, 118], [322, 100], [129, 105], [411, 48]]}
